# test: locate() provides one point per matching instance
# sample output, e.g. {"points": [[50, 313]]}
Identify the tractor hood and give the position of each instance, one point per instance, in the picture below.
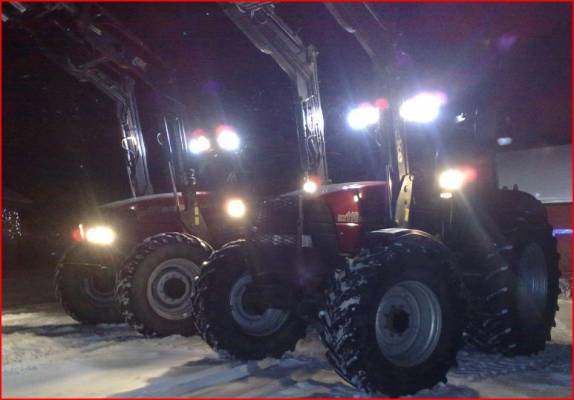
{"points": [[151, 203], [132, 220], [136, 218], [339, 187], [355, 207]]}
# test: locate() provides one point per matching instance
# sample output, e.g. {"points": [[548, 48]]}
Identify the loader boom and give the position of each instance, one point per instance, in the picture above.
{"points": [[92, 46], [271, 35]]}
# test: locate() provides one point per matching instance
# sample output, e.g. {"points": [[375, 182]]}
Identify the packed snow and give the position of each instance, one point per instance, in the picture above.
{"points": [[47, 354]]}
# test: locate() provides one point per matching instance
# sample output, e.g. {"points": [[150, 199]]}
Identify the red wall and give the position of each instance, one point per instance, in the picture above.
{"points": [[560, 216]]}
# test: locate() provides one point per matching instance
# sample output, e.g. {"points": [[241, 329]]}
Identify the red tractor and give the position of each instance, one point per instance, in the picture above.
{"points": [[174, 231], [109, 275], [398, 272]]}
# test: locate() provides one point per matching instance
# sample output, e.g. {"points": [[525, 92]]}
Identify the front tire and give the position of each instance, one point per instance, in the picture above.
{"points": [[392, 321], [229, 322], [86, 293], [155, 284]]}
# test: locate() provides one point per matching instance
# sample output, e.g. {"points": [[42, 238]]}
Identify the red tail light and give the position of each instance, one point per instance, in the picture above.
{"points": [[78, 233]]}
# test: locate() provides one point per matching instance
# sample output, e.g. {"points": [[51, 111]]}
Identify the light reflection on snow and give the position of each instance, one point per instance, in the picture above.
{"points": [[46, 354]]}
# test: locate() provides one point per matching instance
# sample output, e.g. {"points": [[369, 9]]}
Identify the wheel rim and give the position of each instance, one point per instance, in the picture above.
{"points": [[408, 323], [169, 288], [532, 282], [99, 287], [252, 321]]}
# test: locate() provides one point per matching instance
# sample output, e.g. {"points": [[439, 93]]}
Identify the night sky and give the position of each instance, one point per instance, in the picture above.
{"points": [[61, 141]]}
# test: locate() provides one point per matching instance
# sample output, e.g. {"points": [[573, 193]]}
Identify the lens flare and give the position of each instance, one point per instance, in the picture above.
{"points": [[199, 144], [423, 108], [228, 139], [363, 116], [451, 179], [101, 235], [236, 208]]}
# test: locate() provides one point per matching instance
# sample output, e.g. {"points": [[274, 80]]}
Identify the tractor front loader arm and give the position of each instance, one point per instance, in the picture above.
{"points": [[270, 34]]}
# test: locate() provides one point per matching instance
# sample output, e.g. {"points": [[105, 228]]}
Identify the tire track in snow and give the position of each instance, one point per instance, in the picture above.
{"points": [[41, 346]]}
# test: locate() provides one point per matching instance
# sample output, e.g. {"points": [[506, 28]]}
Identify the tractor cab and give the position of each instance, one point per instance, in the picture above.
{"points": [[218, 183]]}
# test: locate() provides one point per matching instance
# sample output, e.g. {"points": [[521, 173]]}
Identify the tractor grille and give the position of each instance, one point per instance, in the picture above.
{"points": [[275, 240], [276, 224], [274, 237], [277, 217]]}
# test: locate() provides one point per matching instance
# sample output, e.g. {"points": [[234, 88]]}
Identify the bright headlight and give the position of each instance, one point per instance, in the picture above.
{"points": [[228, 139], [363, 116], [101, 235], [199, 144], [422, 108], [310, 186], [451, 179], [236, 208]]}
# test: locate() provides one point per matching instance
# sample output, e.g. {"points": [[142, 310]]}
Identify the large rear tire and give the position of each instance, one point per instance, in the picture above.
{"points": [[86, 293], [228, 321], [155, 284], [517, 298], [393, 320]]}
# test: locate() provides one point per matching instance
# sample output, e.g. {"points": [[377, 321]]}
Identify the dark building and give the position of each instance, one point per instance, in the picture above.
{"points": [[14, 210]]}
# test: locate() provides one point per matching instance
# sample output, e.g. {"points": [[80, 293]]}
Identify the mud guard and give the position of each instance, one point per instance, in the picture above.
{"points": [[202, 243], [88, 257], [384, 237]]}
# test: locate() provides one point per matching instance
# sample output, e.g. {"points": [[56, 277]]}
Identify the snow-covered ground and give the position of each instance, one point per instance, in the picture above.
{"points": [[46, 354]]}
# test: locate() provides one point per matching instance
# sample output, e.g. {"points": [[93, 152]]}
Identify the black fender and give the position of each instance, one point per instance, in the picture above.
{"points": [[517, 202], [201, 243], [514, 210], [90, 257], [385, 237], [235, 248], [237, 244], [195, 241], [499, 215]]}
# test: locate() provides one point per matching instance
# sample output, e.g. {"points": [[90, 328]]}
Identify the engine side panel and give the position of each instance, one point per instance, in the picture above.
{"points": [[137, 218], [357, 208], [335, 219]]}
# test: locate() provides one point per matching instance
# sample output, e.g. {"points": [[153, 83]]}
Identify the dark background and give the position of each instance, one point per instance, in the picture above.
{"points": [[61, 140]]}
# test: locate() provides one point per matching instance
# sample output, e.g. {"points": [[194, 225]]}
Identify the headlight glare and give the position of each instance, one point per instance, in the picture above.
{"points": [[451, 180], [100, 235], [236, 208], [423, 108], [199, 144], [310, 186], [228, 139], [363, 116]]}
